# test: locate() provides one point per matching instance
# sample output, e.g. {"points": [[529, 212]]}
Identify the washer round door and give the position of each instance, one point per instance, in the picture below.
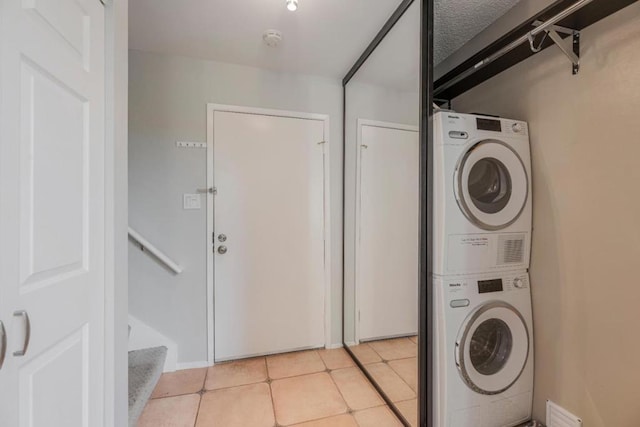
{"points": [[492, 348], [492, 185]]}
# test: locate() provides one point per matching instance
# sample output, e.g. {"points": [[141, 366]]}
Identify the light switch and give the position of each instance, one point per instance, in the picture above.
{"points": [[191, 201]]}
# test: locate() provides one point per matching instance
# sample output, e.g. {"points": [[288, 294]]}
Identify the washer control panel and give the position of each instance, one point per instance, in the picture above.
{"points": [[460, 290]]}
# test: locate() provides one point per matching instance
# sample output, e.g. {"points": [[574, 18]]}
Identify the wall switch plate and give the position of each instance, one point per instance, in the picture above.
{"points": [[190, 201], [187, 144]]}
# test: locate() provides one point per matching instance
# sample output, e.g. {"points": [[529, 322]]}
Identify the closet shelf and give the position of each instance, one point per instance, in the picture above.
{"points": [[511, 40]]}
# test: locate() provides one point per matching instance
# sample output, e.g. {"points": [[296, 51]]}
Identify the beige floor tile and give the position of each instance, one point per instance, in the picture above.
{"points": [[398, 348], [408, 371], [377, 417], [409, 410], [180, 382], [179, 411], [337, 358], [356, 389], [233, 374], [306, 398], [339, 421], [243, 406], [365, 354], [393, 386], [293, 364], [414, 339]]}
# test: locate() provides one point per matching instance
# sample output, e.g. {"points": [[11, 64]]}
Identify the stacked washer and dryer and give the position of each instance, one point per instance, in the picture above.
{"points": [[482, 230]]}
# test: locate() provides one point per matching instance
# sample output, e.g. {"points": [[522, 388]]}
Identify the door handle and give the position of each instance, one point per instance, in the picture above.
{"points": [[3, 343], [27, 333]]}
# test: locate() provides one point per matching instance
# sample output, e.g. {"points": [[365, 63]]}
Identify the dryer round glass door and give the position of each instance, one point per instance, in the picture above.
{"points": [[491, 185], [492, 348]]}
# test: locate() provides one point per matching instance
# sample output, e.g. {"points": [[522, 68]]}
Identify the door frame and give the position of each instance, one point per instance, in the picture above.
{"points": [[358, 286], [211, 109]]}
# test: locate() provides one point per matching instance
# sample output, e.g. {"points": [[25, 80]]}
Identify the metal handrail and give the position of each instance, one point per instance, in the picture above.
{"points": [[161, 256]]}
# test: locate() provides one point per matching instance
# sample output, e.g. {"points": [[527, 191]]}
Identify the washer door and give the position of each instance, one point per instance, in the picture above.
{"points": [[491, 185], [492, 348]]}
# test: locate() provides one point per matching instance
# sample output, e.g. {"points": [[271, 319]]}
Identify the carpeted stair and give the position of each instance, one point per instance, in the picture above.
{"points": [[145, 368]]}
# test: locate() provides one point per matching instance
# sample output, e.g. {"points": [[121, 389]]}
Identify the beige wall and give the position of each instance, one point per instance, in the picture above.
{"points": [[585, 275]]}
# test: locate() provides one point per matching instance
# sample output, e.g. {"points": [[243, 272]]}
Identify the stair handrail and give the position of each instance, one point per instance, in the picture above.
{"points": [[161, 256]]}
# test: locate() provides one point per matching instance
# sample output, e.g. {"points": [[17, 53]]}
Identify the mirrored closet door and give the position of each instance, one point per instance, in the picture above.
{"points": [[382, 171]]}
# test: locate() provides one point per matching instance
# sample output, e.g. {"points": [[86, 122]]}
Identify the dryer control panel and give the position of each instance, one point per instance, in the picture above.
{"points": [[459, 128]]}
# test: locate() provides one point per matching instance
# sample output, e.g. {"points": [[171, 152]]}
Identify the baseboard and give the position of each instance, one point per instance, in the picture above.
{"points": [[192, 365], [334, 346]]}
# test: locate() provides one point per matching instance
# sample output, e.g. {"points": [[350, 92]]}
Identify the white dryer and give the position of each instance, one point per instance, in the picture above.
{"points": [[482, 194], [484, 350]]}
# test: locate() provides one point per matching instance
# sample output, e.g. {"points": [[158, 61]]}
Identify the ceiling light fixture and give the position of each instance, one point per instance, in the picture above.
{"points": [[292, 5]]}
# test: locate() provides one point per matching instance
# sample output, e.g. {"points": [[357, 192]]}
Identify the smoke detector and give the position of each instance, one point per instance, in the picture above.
{"points": [[272, 38]]}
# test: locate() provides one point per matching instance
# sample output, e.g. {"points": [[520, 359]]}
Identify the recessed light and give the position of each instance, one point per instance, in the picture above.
{"points": [[292, 5]]}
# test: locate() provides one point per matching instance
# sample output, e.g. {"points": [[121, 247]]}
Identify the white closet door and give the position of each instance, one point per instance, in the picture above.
{"points": [[52, 212], [269, 284], [387, 250]]}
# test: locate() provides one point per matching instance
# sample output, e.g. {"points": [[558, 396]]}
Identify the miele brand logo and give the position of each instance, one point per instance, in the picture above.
{"points": [[455, 285], [453, 117]]}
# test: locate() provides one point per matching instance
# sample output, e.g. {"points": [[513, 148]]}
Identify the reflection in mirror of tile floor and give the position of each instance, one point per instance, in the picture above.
{"points": [[320, 388], [393, 364]]}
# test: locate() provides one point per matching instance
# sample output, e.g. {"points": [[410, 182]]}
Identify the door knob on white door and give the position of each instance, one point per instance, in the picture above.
{"points": [[3, 344], [222, 250], [27, 332]]}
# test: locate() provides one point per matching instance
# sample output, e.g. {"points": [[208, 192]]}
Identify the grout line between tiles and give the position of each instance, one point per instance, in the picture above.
{"points": [[195, 421], [333, 380]]}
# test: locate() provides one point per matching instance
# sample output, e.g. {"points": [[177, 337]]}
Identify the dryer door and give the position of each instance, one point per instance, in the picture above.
{"points": [[492, 348], [492, 185]]}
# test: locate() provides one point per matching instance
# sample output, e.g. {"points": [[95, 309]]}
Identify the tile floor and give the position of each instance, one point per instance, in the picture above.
{"points": [[320, 388], [393, 364]]}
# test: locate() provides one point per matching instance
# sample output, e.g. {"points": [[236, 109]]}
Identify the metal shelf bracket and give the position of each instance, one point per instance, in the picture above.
{"points": [[570, 48]]}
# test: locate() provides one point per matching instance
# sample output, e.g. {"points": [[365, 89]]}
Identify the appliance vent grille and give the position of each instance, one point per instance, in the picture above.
{"points": [[560, 417], [511, 249]]}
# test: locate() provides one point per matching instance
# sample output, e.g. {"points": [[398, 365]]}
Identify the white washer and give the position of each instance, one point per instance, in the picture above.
{"points": [[484, 350], [482, 194]]}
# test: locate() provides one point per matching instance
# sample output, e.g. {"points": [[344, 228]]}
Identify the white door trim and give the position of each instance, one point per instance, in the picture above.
{"points": [[211, 108], [360, 124]]}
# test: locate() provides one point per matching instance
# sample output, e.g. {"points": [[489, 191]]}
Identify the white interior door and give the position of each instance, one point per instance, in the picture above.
{"points": [[269, 284], [52, 212], [387, 246]]}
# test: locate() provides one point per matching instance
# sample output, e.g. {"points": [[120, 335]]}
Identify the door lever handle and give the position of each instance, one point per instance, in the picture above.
{"points": [[3, 343], [27, 333]]}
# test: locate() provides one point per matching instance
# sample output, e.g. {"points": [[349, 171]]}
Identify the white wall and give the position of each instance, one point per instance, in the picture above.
{"points": [[372, 102], [167, 103], [586, 238]]}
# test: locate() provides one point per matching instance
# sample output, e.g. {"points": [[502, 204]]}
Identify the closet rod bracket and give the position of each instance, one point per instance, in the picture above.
{"points": [[554, 33]]}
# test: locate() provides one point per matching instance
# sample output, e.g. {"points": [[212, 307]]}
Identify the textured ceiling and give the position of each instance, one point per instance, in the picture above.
{"points": [[458, 21], [324, 37]]}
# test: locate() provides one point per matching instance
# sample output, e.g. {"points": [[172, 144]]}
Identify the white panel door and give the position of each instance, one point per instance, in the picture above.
{"points": [[387, 247], [52, 212], [269, 285]]}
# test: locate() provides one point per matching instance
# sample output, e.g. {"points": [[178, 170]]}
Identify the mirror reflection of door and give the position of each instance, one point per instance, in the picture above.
{"points": [[387, 231], [381, 208]]}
